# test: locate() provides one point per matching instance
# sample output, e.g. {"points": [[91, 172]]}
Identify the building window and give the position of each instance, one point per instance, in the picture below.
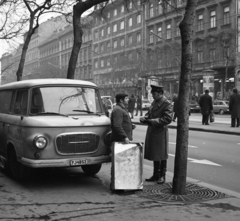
{"points": [[108, 46], [169, 5], [138, 37], [122, 25], [160, 7], [199, 55], [130, 22], [130, 39], [122, 42], [226, 15], [108, 62], [151, 11], [96, 64], [130, 56], [159, 33], [114, 27], [115, 12], [169, 31], [138, 56], [226, 52], [212, 19], [130, 4], [102, 32], [200, 22], [102, 47], [108, 30], [122, 8], [177, 30], [108, 15], [96, 49], [102, 63], [212, 54], [115, 44], [150, 36], [96, 35], [139, 18]]}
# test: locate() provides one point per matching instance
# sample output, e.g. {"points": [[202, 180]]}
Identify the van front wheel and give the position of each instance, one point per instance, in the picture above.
{"points": [[17, 170], [91, 170]]}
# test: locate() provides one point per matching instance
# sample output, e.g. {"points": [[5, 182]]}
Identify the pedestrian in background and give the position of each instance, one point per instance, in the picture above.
{"points": [[139, 105], [131, 105], [175, 107], [121, 123], [205, 103], [157, 118], [234, 107]]}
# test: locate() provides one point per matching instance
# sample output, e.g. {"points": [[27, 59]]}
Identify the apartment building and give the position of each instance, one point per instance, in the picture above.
{"points": [[144, 43]]}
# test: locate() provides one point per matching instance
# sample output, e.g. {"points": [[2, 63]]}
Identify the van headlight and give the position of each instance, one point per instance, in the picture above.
{"points": [[40, 142]]}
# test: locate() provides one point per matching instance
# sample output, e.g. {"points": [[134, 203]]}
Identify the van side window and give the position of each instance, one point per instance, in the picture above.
{"points": [[20, 105], [5, 101]]}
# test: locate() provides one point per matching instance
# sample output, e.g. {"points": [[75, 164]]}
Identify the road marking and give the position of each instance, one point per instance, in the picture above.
{"points": [[188, 145], [207, 162]]}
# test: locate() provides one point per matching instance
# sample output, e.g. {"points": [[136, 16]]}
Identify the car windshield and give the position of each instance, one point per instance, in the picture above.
{"points": [[65, 100]]}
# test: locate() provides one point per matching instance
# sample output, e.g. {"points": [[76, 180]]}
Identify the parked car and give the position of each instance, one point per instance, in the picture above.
{"points": [[194, 107], [220, 106], [145, 104], [52, 123]]}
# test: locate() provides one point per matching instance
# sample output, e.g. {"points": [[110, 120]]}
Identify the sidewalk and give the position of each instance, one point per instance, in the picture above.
{"points": [[219, 126]]}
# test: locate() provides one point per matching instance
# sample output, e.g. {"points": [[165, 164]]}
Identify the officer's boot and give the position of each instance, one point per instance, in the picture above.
{"points": [[156, 172], [163, 171]]}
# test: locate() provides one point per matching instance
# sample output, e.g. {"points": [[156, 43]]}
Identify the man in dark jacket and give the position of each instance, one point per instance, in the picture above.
{"points": [[234, 107], [131, 105], [158, 117], [139, 105], [205, 103], [120, 120]]}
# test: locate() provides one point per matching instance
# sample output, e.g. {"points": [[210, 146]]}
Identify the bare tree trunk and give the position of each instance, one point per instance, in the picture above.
{"points": [[77, 33], [24, 49], [180, 165]]}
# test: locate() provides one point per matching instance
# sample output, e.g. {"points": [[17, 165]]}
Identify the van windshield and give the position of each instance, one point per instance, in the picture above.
{"points": [[65, 100]]}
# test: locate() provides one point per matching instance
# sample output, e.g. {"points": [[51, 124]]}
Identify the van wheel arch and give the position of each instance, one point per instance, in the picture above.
{"points": [[18, 171]]}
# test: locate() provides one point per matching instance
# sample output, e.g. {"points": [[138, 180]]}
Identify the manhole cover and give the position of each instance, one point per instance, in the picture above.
{"points": [[194, 193]]}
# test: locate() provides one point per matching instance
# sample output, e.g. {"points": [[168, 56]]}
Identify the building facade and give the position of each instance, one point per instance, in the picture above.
{"points": [[129, 46]]}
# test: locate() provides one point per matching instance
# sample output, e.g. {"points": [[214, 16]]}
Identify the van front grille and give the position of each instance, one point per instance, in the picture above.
{"points": [[77, 143]]}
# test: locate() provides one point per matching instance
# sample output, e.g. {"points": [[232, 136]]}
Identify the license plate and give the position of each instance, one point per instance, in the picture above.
{"points": [[78, 162]]}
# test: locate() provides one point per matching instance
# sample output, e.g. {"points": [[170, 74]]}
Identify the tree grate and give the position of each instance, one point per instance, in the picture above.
{"points": [[194, 193]]}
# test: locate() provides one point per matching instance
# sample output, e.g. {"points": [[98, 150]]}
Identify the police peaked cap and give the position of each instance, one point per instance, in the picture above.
{"points": [[156, 88]]}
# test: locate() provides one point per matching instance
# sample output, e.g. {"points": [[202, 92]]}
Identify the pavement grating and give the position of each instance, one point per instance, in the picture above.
{"points": [[194, 193]]}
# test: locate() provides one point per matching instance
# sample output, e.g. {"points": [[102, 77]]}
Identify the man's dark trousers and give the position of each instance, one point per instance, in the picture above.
{"points": [[205, 119], [233, 122]]}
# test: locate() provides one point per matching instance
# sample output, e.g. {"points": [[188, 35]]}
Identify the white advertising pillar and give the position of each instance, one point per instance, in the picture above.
{"points": [[208, 82]]}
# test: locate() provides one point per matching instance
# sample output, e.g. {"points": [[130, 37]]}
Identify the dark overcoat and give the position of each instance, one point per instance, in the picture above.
{"points": [[131, 104], [234, 105], [156, 142], [205, 102], [121, 124]]}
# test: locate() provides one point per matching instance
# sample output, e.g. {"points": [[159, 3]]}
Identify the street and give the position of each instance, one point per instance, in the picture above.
{"points": [[212, 158]]}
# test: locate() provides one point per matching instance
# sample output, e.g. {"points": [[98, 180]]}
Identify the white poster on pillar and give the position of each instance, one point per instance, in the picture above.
{"points": [[208, 83]]}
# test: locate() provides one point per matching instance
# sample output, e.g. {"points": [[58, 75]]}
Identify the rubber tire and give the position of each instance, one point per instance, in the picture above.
{"points": [[18, 171], [91, 170], [221, 111]]}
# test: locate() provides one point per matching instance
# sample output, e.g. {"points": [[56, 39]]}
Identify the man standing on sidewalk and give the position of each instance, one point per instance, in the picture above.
{"points": [[139, 105], [158, 117], [234, 107], [205, 102]]}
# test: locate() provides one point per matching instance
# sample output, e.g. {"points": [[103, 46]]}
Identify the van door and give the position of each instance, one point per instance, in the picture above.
{"points": [[5, 106]]}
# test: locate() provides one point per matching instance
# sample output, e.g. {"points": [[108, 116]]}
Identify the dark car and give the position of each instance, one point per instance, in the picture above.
{"points": [[220, 106], [194, 107]]}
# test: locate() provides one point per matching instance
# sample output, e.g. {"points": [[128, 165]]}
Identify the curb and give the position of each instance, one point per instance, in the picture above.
{"points": [[200, 129]]}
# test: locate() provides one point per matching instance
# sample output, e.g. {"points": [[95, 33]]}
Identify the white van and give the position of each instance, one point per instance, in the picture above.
{"points": [[52, 123]]}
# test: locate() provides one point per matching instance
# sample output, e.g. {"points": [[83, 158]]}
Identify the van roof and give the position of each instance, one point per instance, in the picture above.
{"points": [[47, 81]]}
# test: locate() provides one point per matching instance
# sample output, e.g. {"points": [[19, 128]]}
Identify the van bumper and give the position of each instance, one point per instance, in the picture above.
{"points": [[64, 162]]}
